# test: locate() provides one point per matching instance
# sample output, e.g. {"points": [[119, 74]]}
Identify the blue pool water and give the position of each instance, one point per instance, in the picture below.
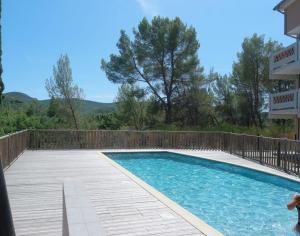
{"points": [[237, 201]]}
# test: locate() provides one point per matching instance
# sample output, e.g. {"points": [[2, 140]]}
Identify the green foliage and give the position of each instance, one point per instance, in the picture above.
{"points": [[17, 96], [54, 108], [179, 91], [21, 101], [11, 121], [1, 86], [95, 121], [34, 109], [195, 107], [225, 100], [61, 88], [251, 78], [163, 57], [271, 129], [108, 121], [132, 107], [162, 87], [60, 117]]}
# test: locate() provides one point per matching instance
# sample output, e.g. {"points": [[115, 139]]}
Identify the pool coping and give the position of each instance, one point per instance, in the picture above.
{"points": [[188, 152], [265, 169], [195, 221]]}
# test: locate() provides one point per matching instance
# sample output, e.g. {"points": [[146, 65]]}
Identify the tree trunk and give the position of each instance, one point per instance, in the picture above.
{"points": [[252, 111], [259, 120], [74, 118], [73, 114], [168, 115]]}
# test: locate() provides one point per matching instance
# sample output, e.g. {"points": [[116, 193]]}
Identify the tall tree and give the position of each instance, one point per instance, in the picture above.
{"points": [[251, 76], [1, 68], [195, 106], [224, 98], [60, 117], [163, 56], [62, 88], [131, 106]]}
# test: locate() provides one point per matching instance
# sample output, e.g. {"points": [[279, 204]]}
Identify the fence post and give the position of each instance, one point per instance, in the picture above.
{"points": [[6, 221], [278, 154], [8, 151], [243, 146], [260, 149], [285, 154], [230, 142], [224, 144]]}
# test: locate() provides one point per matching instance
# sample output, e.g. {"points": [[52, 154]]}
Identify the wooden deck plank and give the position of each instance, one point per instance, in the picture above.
{"points": [[34, 185]]}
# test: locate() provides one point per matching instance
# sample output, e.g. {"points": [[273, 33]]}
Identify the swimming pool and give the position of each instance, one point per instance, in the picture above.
{"points": [[236, 201]]}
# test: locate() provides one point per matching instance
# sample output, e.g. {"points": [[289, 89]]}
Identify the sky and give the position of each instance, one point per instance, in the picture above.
{"points": [[36, 32]]}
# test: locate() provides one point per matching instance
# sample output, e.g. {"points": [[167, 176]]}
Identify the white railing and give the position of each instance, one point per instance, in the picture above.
{"points": [[286, 61], [285, 105], [284, 100]]}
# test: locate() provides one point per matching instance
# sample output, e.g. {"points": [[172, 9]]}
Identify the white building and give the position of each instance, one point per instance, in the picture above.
{"points": [[285, 65]]}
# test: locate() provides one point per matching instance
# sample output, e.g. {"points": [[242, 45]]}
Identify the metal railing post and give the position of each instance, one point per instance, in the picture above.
{"points": [[8, 150], [230, 142], [278, 154], [285, 154], [243, 146], [6, 221], [224, 143], [260, 150]]}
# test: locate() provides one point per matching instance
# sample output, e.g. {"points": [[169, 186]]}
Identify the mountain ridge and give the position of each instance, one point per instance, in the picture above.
{"points": [[20, 99]]}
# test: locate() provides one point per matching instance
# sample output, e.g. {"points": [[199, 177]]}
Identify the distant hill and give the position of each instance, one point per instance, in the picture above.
{"points": [[18, 97], [20, 100]]}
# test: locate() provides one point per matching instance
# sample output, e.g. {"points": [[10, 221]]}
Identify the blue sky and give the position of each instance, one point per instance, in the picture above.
{"points": [[36, 32]]}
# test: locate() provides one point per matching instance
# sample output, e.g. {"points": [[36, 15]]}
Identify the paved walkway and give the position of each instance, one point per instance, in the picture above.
{"points": [[34, 184]]}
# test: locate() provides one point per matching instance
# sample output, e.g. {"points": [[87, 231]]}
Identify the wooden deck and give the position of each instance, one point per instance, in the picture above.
{"points": [[35, 183]]}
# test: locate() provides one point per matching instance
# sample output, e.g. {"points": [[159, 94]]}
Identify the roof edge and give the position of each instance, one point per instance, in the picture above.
{"points": [[283, 5]]}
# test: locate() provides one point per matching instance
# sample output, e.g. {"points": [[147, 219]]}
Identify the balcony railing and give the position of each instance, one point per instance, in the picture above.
{"points": [[285, 64], [284, 104]]}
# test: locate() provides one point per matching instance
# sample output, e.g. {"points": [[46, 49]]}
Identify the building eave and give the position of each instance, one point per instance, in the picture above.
{"points": [[283, 5]]}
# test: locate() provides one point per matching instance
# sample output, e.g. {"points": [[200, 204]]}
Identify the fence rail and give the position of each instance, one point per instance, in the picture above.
{"points": [[282, 154], [61, 139], [11, 146]]}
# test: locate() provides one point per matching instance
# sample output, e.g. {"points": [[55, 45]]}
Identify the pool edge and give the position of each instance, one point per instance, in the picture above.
{"points": [[195, 221], [269, 170]]}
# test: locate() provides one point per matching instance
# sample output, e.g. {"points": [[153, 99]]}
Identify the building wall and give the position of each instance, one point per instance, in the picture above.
{"points": [[293, 17]]}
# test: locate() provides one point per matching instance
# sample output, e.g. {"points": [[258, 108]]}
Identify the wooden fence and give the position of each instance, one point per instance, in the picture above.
{"points": [[11, 146], [282, 154], [97, 139]]}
